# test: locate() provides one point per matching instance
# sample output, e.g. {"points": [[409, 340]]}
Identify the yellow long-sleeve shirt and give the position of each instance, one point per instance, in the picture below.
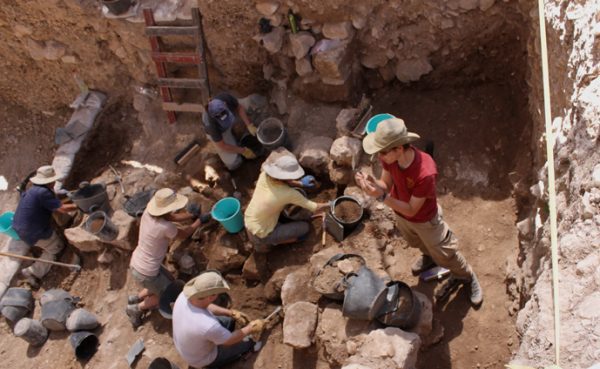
{"points": [[268, 201]]}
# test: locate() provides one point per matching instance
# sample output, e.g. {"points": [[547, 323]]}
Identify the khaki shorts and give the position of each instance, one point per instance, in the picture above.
{"points": [[156, 284]]}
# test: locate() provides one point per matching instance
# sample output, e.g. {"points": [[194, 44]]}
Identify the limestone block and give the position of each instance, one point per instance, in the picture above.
{"points": [[359, 21], [412, 69], [275, 19], [254, 267], [346, 151], [425, 324], [319, 259], [525, 228], [340, 174], [267, 8], [303, 67], [295, 289], [468, 4], [83, 240], [387, 72], [388, 348], [596, 176], [485, 4], [300, 324], [70, 59], [301, 43], [345, 121], [273, 286], [127, 226], [332, 58], [224, 255], [273, 40], [338, 31], [314, 154]]}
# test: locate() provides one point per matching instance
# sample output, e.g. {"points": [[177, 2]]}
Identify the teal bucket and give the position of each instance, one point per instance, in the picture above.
{"points": [[228, 212], [6, 225], [375, 120]]}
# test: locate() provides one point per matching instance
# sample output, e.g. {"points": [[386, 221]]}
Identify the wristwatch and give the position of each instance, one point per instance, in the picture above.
{"points": [[382, 197]]}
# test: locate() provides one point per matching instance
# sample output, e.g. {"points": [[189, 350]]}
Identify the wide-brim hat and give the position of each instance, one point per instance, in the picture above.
{"points": [[219, 111], [44, 175], [390, 133], [165, 201], [207, 283], [282, 164]]}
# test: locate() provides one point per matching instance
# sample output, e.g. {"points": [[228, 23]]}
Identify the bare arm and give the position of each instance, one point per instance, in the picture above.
{"points": [[230, 148], [243, 115], [66, 208]]}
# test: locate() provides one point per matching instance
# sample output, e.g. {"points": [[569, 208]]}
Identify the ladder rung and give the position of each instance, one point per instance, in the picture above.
{"points": [[171, 31], [185, 107], [176, 57], [181, 82]]}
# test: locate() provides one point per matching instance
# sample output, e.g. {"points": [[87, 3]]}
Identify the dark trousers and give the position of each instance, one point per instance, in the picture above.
{"points": [[229, 354]]}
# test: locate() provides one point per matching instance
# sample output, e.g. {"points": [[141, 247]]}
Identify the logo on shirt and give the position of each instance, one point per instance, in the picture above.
{"points": [[410, 183]]}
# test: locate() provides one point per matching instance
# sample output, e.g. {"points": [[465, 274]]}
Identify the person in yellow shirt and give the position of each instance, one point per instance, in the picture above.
{"points": [[272, 194]]}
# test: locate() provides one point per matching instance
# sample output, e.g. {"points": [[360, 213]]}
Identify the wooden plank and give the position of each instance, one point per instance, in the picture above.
{"points": [[201, 50], [181, 82], [171, 31], [185, 107], [175, 57]]}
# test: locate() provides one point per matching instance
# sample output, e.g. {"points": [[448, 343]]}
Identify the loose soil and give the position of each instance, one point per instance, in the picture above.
{"points": [[270, 134], [328, 280], [347, 211], [96, 225]]}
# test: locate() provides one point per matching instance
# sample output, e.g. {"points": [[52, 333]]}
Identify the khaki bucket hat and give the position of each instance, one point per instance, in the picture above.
{"points": [[389, 133], [44, 175], [282, 164], [208, 283], [165, 201]]}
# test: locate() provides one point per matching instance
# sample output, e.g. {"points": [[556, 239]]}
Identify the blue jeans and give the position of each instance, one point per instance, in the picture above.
{"points": [[229, 354]]}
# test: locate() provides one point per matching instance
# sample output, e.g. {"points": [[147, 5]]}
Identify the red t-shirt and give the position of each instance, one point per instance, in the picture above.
{"points": [[417, 180]]}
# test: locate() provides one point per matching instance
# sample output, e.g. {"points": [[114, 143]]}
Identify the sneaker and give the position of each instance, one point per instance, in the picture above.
{"points": [[476, 291], [133, 299], [425, 262], [134, 314], [447, 288]]}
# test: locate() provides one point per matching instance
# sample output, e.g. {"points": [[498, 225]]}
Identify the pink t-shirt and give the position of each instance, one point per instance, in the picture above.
{"points": [[154, 238]]}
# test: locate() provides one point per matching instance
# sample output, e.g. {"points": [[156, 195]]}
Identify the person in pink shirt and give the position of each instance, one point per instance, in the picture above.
{"points": [[157, 230]]}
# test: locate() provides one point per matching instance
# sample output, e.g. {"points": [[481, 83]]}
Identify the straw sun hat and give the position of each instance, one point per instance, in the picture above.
{"points": [[282, 164], [44, 175], [207, 283], [165, 201], [390, 133]]}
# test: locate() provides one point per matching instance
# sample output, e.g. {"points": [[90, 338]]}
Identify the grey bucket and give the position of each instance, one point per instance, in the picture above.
{"points": [[117, 7], [162, 363], [55, 294], [271, 133], [81, 320], [364, 295], [91, 197], [16, 303], [55, 313], [31, 331], [402, 308], [168, 297], [84, 343], [99, 225]]}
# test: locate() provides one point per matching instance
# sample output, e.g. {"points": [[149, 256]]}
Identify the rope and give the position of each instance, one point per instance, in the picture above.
{"points": [[551, 180]]}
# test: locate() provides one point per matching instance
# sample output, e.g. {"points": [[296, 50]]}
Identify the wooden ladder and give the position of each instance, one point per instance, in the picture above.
{"points": [[154, 32]]}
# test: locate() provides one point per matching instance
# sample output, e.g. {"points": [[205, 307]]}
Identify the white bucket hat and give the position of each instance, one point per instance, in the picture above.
{"points": [[45, 174], [165, 201], [282, 164], [207, 283]]}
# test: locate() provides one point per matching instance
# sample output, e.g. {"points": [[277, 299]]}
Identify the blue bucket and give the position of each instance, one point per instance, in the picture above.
{"points": [[374, 121], [6, 225], [228, 212]]}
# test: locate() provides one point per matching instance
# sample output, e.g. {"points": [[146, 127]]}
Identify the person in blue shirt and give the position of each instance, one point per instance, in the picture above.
{"points": [[32, 220]]}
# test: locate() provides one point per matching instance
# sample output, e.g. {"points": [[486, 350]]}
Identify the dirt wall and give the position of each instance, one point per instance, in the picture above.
{"points": [[575, 92]]}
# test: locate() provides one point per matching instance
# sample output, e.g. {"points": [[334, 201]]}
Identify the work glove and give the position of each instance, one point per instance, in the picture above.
{"points": [[248, 154], [240, 318], [251, 129], [194, 209], [308, 182], [256, 327]]}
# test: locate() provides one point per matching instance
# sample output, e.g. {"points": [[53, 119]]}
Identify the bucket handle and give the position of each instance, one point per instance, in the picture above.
{"points": [[338, 257], [393, 310], [93, 208]]}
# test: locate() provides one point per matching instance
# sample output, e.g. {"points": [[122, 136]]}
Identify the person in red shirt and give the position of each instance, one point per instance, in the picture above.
{"points": [[407, 185]]}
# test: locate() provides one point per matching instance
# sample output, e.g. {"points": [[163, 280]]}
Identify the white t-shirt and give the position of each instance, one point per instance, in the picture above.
{"points": [[196, 333], [154, 238]]}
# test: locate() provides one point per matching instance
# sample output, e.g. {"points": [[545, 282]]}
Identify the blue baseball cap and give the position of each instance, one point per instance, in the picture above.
{"points": [[218, 110]]}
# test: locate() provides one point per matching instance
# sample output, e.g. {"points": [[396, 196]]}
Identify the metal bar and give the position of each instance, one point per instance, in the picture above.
{"points": [[171, 31], [175, 57], [201, 50], [160, 66], [181, 82], [185, 107]]}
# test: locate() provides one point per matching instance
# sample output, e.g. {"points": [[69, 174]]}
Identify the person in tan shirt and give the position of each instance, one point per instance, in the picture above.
{"points": [[272, 194]]}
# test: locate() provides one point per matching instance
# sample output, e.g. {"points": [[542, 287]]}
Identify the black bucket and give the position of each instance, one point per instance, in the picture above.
{"points": [[117, 7], [55, 314], [162, 363], [31, 331], [168, 297], [364, 295], [338, 224], [84, 343], [99, 225], [91, 197], [402, 308], [16, 303], [136, 204], [81, 320], [253, 144]]}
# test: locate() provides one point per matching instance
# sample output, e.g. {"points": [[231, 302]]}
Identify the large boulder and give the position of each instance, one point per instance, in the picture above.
{"points": [[314, 154], [338, 30], [346, 151], [304, 66], [332, 59], [412, 69], [294, 288], [300, 324], [339, 174], [83, 240], [128, 229], [301, 43], [387, 348], [273, 40], [346, 120], [272, 290]]}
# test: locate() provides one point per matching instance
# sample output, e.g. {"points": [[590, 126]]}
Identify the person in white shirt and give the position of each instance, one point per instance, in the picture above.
{"points": [[203, 333]]}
